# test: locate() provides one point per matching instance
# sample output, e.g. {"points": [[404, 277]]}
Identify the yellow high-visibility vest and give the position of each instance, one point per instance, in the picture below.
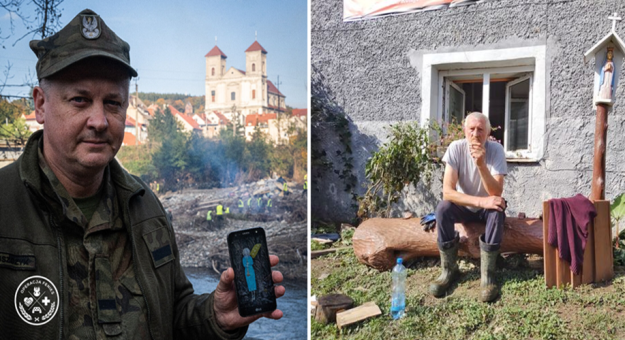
{"points": [[258, 200], [158, 186], [227, 210], [269, 205], [285, 188], [240, 203], [208, 216], [248, 201], [220, 210]]}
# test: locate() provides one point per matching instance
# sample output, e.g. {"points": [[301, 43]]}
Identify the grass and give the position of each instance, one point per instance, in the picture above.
{"points": [[525, 310]]}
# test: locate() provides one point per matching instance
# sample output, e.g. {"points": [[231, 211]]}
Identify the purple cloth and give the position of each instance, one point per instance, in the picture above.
{"points": [[568, 228]]}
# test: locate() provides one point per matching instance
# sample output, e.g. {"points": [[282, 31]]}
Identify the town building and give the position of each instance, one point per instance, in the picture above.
{"points": [[278, 128]]}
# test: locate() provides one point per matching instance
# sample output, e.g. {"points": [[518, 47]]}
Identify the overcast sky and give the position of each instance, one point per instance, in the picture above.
{"points": [[168, 41]]}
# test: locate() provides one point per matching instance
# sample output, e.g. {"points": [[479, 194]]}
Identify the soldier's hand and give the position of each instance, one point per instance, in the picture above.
{"points": [[492, 202], [225, 305]]}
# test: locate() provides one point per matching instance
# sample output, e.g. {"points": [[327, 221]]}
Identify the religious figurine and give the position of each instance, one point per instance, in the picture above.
{"points": [[606, 82], [250, 275]]}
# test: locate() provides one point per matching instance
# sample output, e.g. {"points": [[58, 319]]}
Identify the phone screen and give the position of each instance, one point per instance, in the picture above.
{"points": [[249, 258]]}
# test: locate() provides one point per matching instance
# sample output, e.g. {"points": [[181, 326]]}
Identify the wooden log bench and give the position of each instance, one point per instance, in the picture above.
{"points": [[378, 242]]}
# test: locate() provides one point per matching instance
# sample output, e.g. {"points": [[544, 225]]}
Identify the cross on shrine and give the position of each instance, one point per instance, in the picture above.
{"points": [[46, 301], [614, 19]]}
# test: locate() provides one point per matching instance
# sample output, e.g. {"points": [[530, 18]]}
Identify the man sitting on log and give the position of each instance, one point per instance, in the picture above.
{"points": [[472, 186]]}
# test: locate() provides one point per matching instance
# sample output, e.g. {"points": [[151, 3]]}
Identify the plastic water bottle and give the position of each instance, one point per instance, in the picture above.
{"points": [[398, 296]]}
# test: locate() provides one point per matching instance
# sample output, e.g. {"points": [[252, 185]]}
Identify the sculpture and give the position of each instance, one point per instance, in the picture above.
{"points": [[250, 275], [606, 82]]}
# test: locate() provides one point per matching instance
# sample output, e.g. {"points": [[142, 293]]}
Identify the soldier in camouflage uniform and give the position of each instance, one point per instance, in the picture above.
{"points": [[86, 249]]}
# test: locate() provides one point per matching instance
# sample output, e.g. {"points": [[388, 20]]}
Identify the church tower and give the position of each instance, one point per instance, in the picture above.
{"points": [[256, 60], [215, 63]]}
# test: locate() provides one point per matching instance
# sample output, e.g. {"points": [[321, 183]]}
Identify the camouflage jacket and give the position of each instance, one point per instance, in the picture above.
{"points": [[37, 252]]}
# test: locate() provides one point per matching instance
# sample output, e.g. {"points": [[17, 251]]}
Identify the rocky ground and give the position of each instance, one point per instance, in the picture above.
{"points": [[203, 243]]}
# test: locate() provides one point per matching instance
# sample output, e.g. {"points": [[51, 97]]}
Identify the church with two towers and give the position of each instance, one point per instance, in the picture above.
{"points": [[239, 93]]}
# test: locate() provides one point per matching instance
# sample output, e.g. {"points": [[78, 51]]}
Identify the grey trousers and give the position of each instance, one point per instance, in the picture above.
{"points": [[448, 213]]}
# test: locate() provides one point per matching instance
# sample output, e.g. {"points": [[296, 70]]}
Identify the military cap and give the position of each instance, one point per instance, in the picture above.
{"points": [[85, 36]]}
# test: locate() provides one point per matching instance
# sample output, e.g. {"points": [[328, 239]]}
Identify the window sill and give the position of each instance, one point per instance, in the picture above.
{"points": [[521, 160]]}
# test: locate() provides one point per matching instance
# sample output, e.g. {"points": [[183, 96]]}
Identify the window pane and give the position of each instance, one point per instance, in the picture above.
{"points": [[519, 116], [456, 103], [473, 92], [497, 109]]}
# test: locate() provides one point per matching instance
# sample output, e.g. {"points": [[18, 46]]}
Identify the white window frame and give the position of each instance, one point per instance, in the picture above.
{"points": [[531, 59], [518, 153]]}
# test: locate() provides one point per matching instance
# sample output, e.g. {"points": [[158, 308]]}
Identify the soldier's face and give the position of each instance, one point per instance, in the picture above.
{"points": [[83, 110]]}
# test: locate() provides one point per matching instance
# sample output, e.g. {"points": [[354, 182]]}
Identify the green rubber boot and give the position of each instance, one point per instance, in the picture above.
{"points": [[449, 268], [488, 259]]}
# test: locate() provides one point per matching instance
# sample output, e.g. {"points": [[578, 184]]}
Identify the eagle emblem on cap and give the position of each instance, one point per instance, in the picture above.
{"points": [[90, 28]]}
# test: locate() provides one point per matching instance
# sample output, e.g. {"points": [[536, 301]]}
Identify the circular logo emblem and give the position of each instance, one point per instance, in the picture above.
{"points": [[36, 300]]}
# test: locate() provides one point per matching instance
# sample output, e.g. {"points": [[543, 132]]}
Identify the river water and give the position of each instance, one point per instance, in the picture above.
{"points": [[293, 325]]}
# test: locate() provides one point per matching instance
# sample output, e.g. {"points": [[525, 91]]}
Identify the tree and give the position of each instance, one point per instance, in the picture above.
{"points": [[45, 23], [170, 156], [234, 154], [16, 131], [258, 162], [179, 105]]}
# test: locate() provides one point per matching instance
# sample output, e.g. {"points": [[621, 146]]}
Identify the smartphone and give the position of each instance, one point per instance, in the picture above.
{"points": [[249, 258]]}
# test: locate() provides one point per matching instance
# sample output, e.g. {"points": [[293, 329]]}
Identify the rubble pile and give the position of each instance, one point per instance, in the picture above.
{"points": [[203, 243]]}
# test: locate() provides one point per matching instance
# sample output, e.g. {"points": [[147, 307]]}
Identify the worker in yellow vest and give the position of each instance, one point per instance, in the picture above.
{"points": [[208, 216], [269, 205], [258, 201], [248, 202], [241, 203], [285, 189], [219, 213], [227, 210], [305, 185]]}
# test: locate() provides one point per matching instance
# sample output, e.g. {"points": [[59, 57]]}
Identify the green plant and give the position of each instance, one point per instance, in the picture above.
{"points": [[404, 159], [445, 133], [617, 211]]}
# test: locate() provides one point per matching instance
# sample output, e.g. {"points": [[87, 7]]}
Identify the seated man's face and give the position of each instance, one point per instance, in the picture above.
{"points": [[475, 130], [84, 114]]}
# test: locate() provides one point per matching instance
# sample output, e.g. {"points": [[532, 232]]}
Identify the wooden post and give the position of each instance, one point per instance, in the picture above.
{"points": [[549, 252], [604, 263], [597, 191]]}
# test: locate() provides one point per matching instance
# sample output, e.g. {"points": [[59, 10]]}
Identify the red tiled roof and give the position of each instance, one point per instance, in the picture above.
{"points": [[129, 139], [254, 119], [271, 88], [240, 70], [173, 110], [300, 112], [221, 117], [275, 108], [255, 47], [130, 121], [216, 52], [186, 118], [31, 116]]}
